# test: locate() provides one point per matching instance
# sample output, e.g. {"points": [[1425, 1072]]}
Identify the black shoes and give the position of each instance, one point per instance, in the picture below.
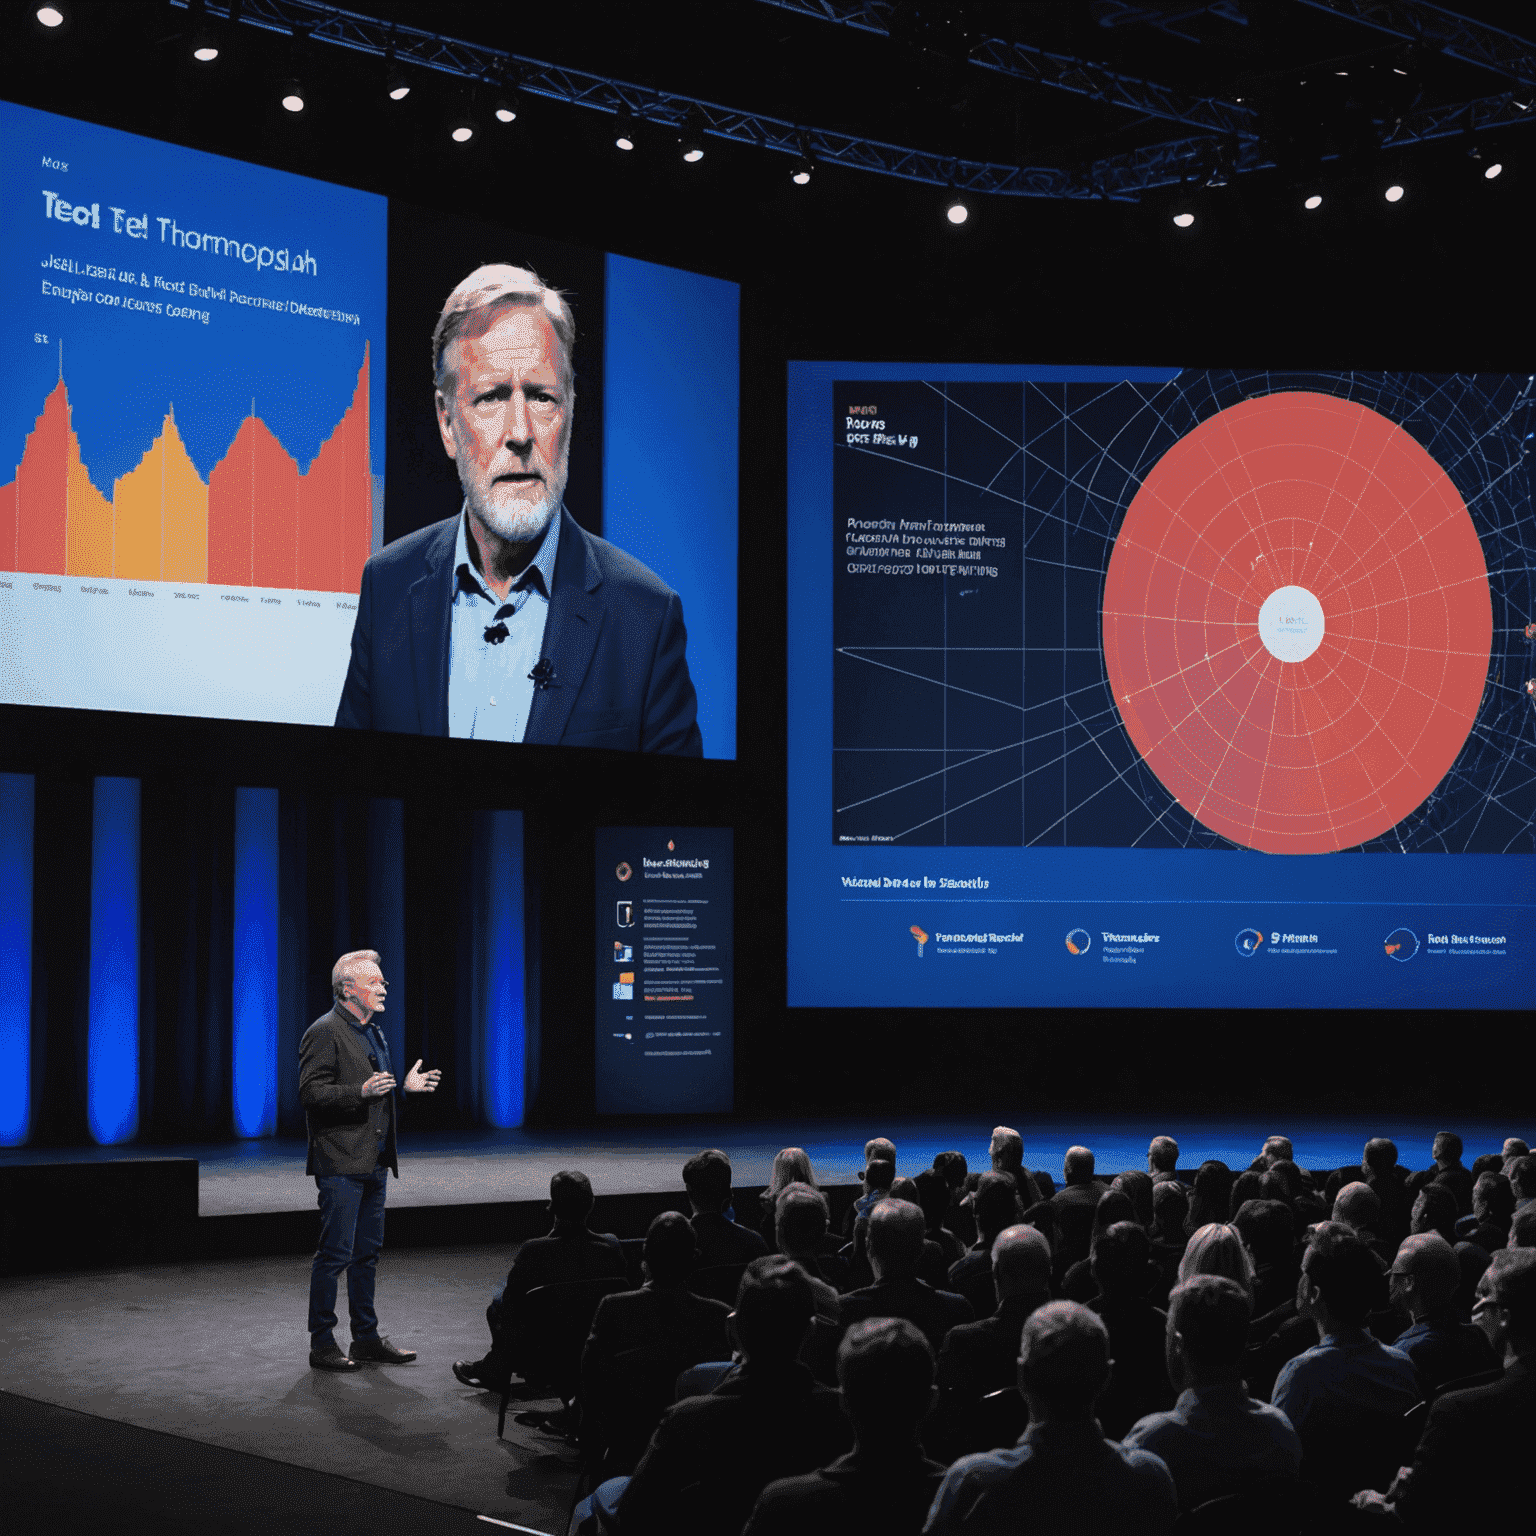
{"points": [[381, 1351], [473, 1374], [331, 1358]]}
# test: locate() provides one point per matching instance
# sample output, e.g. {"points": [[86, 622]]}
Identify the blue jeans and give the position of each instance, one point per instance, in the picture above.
{"points": [[351, 1234]]}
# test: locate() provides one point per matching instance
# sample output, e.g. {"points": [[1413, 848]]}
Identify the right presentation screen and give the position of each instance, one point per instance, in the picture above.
{"points": [[1160, 687]]}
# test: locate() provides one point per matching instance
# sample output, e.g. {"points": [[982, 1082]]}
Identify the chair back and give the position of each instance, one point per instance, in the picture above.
{"points": [[1273, 1507], [554, 1323], [719, 1281], [639, 1386]]}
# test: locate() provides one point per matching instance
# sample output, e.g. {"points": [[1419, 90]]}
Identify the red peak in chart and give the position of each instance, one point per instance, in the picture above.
{"points": [[1297, 623], [259, 521]]}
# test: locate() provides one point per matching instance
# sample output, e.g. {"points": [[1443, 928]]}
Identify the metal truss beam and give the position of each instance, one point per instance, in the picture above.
{"points": [[1116, 178]]}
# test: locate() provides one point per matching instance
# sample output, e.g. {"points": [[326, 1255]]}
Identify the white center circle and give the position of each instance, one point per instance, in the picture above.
{"points": [[1291, 623]]}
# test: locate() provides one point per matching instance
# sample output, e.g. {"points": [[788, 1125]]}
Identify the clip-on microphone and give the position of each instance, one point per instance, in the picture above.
{"points": [[543, 674]]}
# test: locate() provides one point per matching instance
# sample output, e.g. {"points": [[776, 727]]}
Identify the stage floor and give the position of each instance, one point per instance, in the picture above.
{"points": [[251, 1177]]}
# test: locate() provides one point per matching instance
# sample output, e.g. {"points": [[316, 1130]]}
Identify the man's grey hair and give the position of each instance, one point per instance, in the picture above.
{"points": [[345, 969], [473, 305]]}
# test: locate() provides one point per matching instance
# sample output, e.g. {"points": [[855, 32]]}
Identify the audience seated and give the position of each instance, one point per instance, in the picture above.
{"points": [[1522, 1179], [1216, 1440], [876, 1180], [1163, 1159], [1425, 1277], [1449, 1172], [983, 1356], [1138, 1380], [800, 1227], [934, 1266], [1493, 1207], [1072, 1208], [1274, 1149], [1170, 1205], [1077, 1282], [791, 1166], [1138, 1186], [1473, 1263], [1247, 1186], [886, 1483], [1472, 1454], [1210, 1199], [1357, 1207], [933, 1196], [641, 1340], [707, 1178], [1006, 1150], [1063, 1475], [1434, 1210], [1522, 1228], [995, 1206], [895, 1251], [1389, 1183], [951, 1166], [571, 1251], [1346, 1395], [710, 1457]]}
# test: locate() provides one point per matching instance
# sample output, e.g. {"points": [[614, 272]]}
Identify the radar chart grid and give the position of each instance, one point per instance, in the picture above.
{"points": [[980, 708]]}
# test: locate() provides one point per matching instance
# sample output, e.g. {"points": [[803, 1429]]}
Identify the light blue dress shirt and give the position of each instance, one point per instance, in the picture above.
{"points": [[489, 690]]}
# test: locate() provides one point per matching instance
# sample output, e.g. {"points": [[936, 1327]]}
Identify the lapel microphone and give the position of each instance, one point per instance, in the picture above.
{"points": [[543, 674], [495, 633]]}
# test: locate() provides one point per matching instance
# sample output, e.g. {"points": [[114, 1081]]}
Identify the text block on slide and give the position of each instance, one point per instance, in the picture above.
{"points": [[191, 424], [664, 935]]}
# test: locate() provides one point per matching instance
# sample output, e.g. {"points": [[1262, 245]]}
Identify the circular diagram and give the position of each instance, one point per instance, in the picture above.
{"points": [[1297, 623], [1401, 944], [1248, 942], [1079, 941]]}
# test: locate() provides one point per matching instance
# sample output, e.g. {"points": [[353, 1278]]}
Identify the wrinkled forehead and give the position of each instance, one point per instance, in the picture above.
{"points": [[510, 329]]}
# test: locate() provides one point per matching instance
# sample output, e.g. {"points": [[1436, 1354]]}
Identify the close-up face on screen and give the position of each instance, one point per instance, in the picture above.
{"points": [[221, 361]]}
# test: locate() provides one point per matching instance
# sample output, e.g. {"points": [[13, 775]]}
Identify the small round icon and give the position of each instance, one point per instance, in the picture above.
{"points": [[1079, 941], [1248, 942], [1402, 944], [623, 871]]}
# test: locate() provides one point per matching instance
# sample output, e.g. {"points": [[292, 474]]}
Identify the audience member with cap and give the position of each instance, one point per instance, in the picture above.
{"points": [[1063, 1475]]}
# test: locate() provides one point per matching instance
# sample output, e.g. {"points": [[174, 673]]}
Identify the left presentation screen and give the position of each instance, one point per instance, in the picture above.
{"points": [[191, 425]]}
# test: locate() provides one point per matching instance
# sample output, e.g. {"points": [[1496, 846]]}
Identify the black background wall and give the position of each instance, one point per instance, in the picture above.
{"points": [[854, 266]]}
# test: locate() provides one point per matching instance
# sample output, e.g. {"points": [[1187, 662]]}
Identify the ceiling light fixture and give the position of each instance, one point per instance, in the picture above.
{"points": [[624, 129], [1394, 193], [50, 15], [1313, 202], [957, 212]]}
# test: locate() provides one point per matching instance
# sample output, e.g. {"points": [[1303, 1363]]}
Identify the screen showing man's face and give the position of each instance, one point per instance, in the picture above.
{"points": [[506, 422]]}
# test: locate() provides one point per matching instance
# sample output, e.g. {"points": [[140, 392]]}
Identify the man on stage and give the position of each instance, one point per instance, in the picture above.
{"points": [[346, 1085]]}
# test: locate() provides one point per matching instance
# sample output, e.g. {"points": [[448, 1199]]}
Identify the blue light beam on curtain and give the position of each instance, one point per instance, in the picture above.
{"points": [[254, 1008], [112, 1048], [502, 978], [17, 804]]}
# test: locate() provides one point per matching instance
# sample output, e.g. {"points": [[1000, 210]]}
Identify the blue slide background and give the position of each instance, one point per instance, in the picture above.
{"points": [[670, 401], [852, 945], [123, 368]]}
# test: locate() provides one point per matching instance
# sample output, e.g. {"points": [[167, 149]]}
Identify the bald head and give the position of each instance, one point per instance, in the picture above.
{"points": [[1430, 1264], [1077, 1166], [1357, 1205], [1277, 1149], [1021, 1262], [1063, 1360], [896, 1232], [473, 306]]}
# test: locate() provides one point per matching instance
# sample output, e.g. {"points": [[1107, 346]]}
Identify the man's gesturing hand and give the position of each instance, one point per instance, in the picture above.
{"points": [[417, 1081], [378, 1085]]}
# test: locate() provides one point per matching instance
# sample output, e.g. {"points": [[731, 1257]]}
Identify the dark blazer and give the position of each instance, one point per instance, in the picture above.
{"points": [[343, 1126], [933, 1312], [570, 1251], [614, 637], [855, 1493], [725, 1242]]}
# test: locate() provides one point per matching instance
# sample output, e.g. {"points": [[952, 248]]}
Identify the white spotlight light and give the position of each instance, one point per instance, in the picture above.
{"points": [[1184, 220], [50, 15], [624, 142], [694, 155], [1493, 170], [463, 133], [293, 96], [1315, 201], [1394, 193], [206, 54], [957, 212]]}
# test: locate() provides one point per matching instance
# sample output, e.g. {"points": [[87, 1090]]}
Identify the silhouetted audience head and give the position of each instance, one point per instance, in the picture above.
{"points": [[800, 1219], [1284, 1175], [895, 1240], [1248, 1185], [1006, 1149], [670, 1248], [1341, 1283], [1268, 1231], [1077, 1166], [1217, 1249], [906, 1189], [1021, 1263], [791, 1166], [1434, 1210], [879, 1174], [707, 1178], [1493, 1199], [774, 1308], [1274, 1149], [885, 1370], [1514, 1148], [1120, 1262], [1063, 1361], [1138, 1187], [1506, 1303], [879, 1146], [1170, 1205], [1522, 1228], [1114, 1205], [1425, 1275], [570, 1196], [1163, 1155], [1473, 1262], [1380, 1156], [1211, 1197], [1446, 1149], [1522, 1177], [952, 1168], [933, 1196], [1357, 1205], [1488, 1162], [1208, 1318], [995, 1205]]}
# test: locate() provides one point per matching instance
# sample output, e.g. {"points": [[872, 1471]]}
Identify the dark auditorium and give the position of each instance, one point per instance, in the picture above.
{"points": [[767, 767]]}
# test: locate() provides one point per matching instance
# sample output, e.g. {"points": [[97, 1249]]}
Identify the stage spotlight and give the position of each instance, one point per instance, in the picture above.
{"points": [[1184, 219], [506, 105], [624, 129], [461, 131], [957, 212], [1494, 170], [1313, 202], [205, 41], [397, 85], [1394, 193], [50, 15], [292, 95], [801, 175], [690, 138]]}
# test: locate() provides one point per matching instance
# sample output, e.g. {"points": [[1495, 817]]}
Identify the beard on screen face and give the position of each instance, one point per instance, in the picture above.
{"points": [[505, 503]]}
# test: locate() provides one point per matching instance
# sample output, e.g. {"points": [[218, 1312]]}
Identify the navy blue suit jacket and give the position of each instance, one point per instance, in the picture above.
{"points": [[614, 636]]}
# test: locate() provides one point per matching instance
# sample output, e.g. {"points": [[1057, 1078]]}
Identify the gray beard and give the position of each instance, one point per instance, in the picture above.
{"points": [[524, 524]]}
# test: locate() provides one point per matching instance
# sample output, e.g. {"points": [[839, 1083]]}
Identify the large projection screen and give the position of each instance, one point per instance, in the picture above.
{"points": [[1159, 687]]}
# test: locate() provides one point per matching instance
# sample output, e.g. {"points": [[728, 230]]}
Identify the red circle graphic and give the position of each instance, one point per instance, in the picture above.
{"points": [[1290, 490]]}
